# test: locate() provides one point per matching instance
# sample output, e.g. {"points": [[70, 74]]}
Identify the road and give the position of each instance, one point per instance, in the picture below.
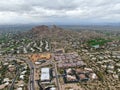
{"points": [[31, 66], [56, 74]]}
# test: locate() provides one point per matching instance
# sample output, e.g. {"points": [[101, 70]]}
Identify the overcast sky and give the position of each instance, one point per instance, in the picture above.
{"points": [[59, 11]]}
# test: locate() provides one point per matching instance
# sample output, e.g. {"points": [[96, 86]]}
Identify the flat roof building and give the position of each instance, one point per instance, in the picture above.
{"points": [[45, 75]]}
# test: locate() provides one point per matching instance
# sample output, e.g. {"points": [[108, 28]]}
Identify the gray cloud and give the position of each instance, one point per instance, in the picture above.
{"points": [[55, 10]]}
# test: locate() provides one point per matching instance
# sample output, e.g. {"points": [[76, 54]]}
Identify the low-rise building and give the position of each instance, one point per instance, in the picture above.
{"points": [[45, 75]]}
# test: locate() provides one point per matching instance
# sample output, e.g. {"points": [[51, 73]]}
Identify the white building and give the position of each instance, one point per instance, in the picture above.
{"points": [[45, 75], [37, 63], [19, 88], [53, 88], [22, 77]]}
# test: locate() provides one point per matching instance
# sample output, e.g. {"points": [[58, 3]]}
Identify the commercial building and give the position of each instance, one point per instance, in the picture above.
{"points": [[45, 75]]}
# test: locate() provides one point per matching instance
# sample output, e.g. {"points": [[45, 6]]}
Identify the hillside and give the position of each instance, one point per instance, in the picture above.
{"points": [[53, 32], [57, 32]]}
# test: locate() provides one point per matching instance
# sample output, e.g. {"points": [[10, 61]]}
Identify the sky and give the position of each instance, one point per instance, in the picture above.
{"points": [[59, 11]]}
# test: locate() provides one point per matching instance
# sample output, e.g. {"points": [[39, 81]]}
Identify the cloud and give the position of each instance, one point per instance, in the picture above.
{"points": [[20, 11]]}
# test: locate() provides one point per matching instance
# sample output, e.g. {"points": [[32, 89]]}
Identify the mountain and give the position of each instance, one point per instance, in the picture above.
{"points": [[44, 31], [56, 33], [42, 28]]}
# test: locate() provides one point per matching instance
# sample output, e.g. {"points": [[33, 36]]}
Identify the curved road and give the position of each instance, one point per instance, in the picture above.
{"points": [[31, 80]]}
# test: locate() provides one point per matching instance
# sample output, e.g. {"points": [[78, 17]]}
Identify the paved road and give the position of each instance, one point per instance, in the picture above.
{"points": [[31, 66], [32, 87], [56, 74]]}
